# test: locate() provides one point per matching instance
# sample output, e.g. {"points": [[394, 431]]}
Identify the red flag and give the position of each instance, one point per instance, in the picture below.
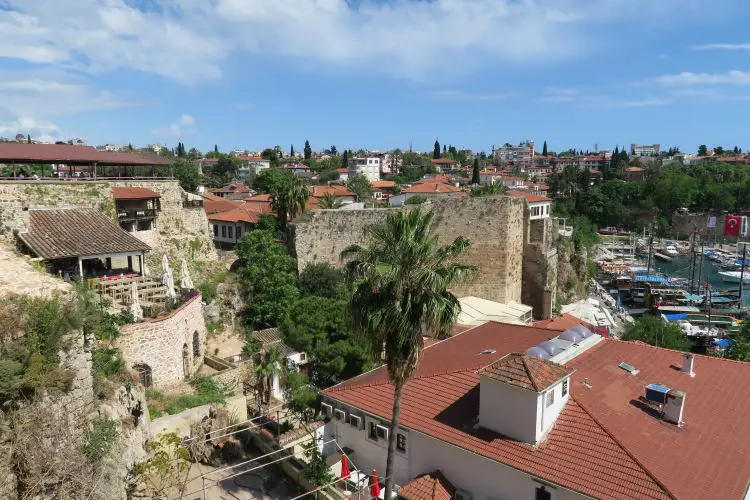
{"points": [[344, 467], [375, 486], [732, 225]]}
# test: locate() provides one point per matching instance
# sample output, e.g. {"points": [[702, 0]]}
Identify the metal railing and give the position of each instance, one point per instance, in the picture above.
{"points": [[136, 213]]}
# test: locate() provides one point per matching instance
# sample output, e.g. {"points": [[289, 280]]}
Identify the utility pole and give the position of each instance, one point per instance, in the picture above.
{"points": [[742, 271], [650, 248], [700, 268], [692, 261]]}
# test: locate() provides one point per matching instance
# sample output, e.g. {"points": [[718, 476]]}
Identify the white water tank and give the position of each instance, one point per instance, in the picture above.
{"points": [[674, 407]]}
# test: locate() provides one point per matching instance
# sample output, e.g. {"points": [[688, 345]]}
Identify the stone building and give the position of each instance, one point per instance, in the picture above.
{"points": [[515, 255], [168, 349]]}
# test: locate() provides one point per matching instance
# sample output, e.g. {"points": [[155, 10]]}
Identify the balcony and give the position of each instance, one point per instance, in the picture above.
{"points": [[134, 214]]}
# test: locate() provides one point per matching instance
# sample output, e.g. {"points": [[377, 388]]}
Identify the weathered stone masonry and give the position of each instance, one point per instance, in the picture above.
{"points": [[160, 343], [494, 225]]}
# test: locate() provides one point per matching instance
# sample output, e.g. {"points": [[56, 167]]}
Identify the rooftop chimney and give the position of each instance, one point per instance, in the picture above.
{"points": [[688, 363], [674, 406]]}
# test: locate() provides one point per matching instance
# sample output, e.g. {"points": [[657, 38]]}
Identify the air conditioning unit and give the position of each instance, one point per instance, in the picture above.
{"points": [[356, 421], [339, 415], [327, 409], [462, 495], [382, 432]]}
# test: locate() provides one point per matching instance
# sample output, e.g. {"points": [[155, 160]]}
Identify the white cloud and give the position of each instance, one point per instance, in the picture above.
{"points": [[10, 125], [722, 46], [734, 77], [185, 125]]}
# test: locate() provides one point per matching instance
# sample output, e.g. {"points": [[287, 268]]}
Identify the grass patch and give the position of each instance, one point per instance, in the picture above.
{"points": [[206, 391]]}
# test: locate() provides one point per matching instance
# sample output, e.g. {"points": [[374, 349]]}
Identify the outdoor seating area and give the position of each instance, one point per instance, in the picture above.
{"points": [[118, 289], [354, 482]]}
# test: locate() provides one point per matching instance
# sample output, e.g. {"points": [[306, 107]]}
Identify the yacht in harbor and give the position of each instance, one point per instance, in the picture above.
{"points": [[734, 276]]}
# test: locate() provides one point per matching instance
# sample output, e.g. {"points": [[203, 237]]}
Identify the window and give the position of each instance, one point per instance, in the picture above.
{"points": [[216, 230], [239, 233], [196, 345], [565, 388], [542, 494], [230, 229], [340, 415], [327, 409], [373, 434], [382, 432], [401, 443], [223, 231], [550, 398], [144, 374]]}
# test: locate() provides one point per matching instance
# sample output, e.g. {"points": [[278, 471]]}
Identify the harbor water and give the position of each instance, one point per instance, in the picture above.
{"points": [[680, 267]]}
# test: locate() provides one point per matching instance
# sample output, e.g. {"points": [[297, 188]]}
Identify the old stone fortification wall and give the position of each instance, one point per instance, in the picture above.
{"points": [[494, 225], [684, 224], [180, 232], [540, 267], [159, 343]]}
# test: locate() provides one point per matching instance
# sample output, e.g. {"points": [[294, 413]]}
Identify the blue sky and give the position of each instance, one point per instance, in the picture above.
{"points": [[377, 74]]}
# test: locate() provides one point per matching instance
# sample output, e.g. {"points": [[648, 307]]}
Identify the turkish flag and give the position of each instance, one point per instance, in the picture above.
{"points": [[732, 225]]}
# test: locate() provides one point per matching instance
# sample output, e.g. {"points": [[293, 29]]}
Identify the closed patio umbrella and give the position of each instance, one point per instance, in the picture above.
{"points": [[185, 281], [168, 278], [135, 304], [375, 486]]}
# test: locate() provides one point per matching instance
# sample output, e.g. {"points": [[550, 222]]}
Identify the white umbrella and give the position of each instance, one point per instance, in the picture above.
{"points": [[186, 281], [135, 303], [168, 278], [144, 271]]}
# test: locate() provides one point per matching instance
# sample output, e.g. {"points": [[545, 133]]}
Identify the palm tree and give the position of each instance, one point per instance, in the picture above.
{"points": [[268, 366], [401, 293], [289, 199], [329, 201]]}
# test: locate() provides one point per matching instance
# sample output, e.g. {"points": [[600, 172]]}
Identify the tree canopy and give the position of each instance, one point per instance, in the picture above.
{"points": [[361, 187], [656, 332], [307, 150]]}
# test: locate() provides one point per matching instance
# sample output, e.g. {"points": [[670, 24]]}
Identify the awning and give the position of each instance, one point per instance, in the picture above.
{"points": [[723, 342], [651, 279], [675, 317]]}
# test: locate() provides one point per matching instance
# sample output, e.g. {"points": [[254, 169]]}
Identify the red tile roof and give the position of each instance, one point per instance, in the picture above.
{"points": [[431, 188], [432, 486], [342, 170], [252, 158], [63, 153], [133, 193], [562, 323], [704, 459], [442, 401], [234, 188], [213, 204], [383, 184], [530, 197], [236, 215], [527, 373], [428, 179], [338, 191], [633, 169], [444, 161]]}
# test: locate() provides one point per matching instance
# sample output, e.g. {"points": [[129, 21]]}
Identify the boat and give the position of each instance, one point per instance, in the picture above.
{"points": [[734, 276], [662, 257], [671, 250]]}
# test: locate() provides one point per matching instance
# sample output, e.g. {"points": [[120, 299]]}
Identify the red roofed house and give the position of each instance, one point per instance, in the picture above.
{"points": [[444, 164], [236, 191], [340, 193], [634, 174], [539, 206], [382, 190], [229, 227], [431, 189], [252, 164], [517, 412], [137, 208]]}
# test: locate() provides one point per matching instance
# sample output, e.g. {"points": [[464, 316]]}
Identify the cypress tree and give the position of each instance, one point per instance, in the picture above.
{"points": [[436, 152], [28, 138], [291, 151], [308, 150], [345, 159], [475, 179], [216, 148], [544, 149]]}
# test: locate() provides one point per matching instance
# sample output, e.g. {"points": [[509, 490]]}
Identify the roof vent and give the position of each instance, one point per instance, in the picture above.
{"points": [[489, 351], [629, 368], [688, 363]]}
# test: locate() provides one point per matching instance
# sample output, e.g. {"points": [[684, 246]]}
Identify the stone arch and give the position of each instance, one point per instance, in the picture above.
{"points": [[196, 345], [185, 361], [144, 374]]}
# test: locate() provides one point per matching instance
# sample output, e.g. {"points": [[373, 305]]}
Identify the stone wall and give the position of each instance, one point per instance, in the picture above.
{"points": [[540, 266], [159, 343], [494, 225], [684, 224], [229, 375], [180, 232]]}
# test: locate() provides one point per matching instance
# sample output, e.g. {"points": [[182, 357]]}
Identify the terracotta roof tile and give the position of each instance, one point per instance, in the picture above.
{"points": [[64, 153], [432, 486], [431, 188], [133, 193], [530, 197], [525, 372], [74, 232], [442, 401], [562, 323], [320, 191], [236, 215]]}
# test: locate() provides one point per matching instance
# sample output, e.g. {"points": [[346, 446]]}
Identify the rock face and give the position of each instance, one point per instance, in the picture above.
{"points": [[208, 437]]}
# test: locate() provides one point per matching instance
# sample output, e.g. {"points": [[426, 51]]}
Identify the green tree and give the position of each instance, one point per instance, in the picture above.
{"points": [[272, 156], [654, 331], [28, 138], [544, 149], [270, 180], [436, 151], [308, 150], [401, 294], [317, 470], [702, 150], [268, 279], [187, 174], [322, 280], [301, 398], [361, 187], [291, 151], [475, 178], [288, 200], [345, 159], [269, 365], [417, 199], [216, 149], [329, 201], [167, 469]]}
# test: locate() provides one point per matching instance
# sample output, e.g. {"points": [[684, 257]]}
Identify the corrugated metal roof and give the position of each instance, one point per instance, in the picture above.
{"points": [[77, 232]]}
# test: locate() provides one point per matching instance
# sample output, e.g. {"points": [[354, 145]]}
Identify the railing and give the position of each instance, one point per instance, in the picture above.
{"points": [[192, 203], [136, 213]]}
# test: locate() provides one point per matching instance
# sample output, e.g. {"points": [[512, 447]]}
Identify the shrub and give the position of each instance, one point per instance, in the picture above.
{"points": [[100, 439], [108, 362], [416, 200], [208, 291]]}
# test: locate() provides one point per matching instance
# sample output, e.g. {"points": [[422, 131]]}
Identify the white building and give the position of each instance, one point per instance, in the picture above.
{"points": [[369, 166], [228, 228], [539, 206], [645, 149], [522, 154], [505, 411], [252, 164]]}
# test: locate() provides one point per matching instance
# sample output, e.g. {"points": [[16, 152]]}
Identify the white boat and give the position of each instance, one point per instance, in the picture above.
{"points": [[734, 276], [672, 250]]}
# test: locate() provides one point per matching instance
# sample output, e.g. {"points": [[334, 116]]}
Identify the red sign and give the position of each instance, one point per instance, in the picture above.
{"points": [[732, 225]]}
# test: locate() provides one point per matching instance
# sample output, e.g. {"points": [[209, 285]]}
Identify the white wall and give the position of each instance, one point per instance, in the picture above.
{"points": [[548, 414], [483, 478], [543, 209], [509, 410], [224, 237]]}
